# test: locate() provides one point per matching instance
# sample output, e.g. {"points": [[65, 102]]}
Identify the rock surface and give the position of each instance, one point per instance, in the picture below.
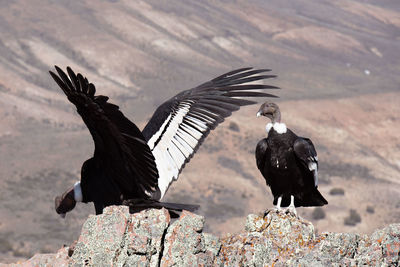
{"points": [[150, 238]]}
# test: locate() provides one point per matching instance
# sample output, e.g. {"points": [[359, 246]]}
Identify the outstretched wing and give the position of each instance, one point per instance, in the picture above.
{"points": [[305, 152], [118, 142], [179, 126]]}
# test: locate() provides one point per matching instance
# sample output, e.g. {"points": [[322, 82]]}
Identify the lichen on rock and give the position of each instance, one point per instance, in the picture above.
{"points": [[186, 245], [150, 238]]}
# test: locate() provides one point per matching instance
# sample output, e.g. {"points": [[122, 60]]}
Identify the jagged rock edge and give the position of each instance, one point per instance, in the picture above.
{"points": [[382, 246]]}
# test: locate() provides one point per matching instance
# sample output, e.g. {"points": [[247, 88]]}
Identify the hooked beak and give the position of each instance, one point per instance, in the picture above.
{"points": [[258, 114], [65, 203]]}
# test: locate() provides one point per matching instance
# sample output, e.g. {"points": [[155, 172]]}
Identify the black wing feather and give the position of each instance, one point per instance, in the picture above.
{"points": [[117, 140], [261, 150], [74, 79], [305, 151]]}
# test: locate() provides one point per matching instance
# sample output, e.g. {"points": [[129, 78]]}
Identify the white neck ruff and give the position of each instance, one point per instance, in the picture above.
{"points": [[78, 192], [279, 127]]}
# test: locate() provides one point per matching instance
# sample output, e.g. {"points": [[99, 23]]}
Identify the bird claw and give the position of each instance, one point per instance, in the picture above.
{"points": [[291, 211], [278, 210]]}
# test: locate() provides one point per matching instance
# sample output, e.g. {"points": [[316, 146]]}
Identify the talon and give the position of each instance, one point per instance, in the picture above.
{"points": [[277, 208], [292, 212]]}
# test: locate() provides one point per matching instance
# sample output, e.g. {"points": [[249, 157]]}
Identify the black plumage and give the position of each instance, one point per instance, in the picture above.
{"points": [[122, 166], [289, 163], [130, 164]]}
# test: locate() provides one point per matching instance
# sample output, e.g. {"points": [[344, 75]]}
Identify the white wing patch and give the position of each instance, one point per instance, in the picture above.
{"points": [[312, 166], [316, 177], [157, 135], [177, 139]]}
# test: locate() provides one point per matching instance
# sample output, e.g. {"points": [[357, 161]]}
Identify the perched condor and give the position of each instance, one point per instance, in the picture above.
{"points": [[289, 164], [139, 166]]}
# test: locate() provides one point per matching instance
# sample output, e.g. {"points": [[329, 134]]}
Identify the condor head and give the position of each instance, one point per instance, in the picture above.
{"points": [[271, 111], [67, 201]]}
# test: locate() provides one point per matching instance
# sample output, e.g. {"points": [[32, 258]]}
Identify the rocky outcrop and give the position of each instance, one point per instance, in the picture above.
{"points": [[150, 238]]}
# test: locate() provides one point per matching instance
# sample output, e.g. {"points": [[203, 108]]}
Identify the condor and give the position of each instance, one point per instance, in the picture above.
{"points": [[289, 164], [129, 164]]}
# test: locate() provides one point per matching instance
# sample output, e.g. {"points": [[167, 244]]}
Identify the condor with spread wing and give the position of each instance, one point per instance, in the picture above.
{"points": [[131, 164]]}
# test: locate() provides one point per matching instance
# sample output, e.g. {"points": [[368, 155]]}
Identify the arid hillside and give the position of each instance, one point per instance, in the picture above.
{"points": [[337, 63]]}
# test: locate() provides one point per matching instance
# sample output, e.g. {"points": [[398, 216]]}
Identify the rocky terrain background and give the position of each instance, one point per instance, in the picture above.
{"points": [[150, 238], [338, 67]]}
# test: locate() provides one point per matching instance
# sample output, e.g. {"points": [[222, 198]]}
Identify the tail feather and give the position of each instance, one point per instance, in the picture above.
{"points": [[179, 206], [314, 198], [136, 205]]}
